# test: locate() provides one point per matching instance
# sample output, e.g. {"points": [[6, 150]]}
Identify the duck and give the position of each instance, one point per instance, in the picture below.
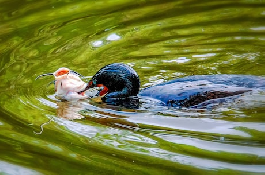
{"points": [[119, 84]]}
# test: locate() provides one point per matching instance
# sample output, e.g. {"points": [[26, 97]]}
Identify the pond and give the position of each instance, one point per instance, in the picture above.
{"points": [[162, 40]]}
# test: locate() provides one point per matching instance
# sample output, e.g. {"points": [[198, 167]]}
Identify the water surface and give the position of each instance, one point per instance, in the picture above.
{"points": [[161, 40]]}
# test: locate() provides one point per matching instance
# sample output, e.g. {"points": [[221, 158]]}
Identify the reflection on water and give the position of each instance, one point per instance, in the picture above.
{"points": [[161, 40]]}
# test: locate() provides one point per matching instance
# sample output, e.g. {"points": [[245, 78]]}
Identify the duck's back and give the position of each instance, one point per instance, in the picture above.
{"points": [[193, 90]]}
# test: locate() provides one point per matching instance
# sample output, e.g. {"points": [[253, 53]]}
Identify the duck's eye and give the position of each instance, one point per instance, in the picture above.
{"points": [[62, 72]]}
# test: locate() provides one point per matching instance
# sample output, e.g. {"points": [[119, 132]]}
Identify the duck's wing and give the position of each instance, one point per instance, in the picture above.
{"points": [[191, 93]]}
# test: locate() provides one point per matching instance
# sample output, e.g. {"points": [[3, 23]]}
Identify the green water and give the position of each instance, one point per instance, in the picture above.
{"points": [[161, 40]]}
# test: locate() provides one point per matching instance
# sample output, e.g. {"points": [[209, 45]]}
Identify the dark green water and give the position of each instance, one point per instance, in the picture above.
{"points": [[162, 40]]}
